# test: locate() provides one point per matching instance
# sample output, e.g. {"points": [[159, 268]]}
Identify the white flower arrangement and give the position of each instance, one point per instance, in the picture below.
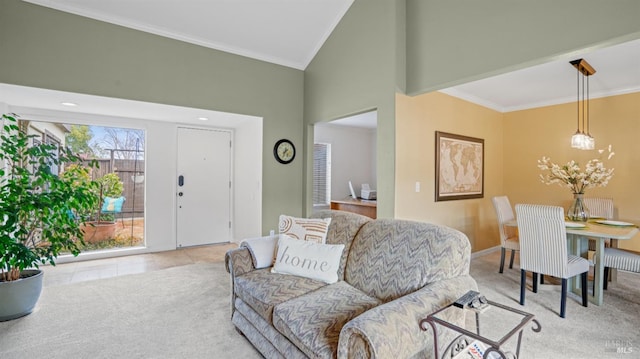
{"points": [[571, 176]]}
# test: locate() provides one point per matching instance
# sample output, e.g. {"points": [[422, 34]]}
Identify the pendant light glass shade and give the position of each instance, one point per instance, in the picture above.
{"points": [[578, 140], [590, 143]]}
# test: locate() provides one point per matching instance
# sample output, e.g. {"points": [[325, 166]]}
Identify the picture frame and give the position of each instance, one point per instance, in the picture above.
{"points": [[459, 167]]}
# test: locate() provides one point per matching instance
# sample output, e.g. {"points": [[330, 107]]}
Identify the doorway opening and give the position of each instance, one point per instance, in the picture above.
{"points": [[349, 145]]}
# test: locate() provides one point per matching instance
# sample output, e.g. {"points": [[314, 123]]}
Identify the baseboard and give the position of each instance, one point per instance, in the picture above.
{"points": [[484, 252]]}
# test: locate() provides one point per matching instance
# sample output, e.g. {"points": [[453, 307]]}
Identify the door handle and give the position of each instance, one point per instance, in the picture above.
{"points": [[181, 180]]}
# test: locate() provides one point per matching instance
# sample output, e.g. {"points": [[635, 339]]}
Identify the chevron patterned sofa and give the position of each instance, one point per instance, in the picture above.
{"points": [[393, 273]]}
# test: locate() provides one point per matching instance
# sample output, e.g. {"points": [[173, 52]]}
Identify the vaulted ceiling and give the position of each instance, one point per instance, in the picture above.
{"points": [[284, 32]]}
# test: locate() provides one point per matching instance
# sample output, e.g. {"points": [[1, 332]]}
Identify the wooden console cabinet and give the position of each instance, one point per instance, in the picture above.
{"points": [[363, 207]]}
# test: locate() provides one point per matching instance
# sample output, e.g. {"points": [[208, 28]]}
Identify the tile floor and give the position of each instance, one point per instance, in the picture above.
{"points": [[104, 268]]}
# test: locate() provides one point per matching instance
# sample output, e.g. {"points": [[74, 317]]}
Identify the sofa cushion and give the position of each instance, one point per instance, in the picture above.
{"points": [[343, 228], [313, 321], [262, 290], [308, 259], [391, 258], [306, 229]]}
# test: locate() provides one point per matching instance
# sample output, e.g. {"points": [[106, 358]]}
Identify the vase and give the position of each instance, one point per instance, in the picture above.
{"points": [[578, 210]]}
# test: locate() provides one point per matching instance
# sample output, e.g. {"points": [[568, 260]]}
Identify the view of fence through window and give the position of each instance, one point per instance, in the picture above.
{"points": [[118, 220]]}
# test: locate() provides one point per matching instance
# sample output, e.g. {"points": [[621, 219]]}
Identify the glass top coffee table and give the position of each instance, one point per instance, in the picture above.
{"points": [[484, 332]]}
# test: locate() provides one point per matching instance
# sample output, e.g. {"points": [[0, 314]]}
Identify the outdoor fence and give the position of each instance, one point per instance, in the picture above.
{"points": [[127, 170]]}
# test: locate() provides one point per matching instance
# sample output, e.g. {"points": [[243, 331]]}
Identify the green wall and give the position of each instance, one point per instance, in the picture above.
{"points": [[379, 48], [354, 72], [453, 42], [50, 49]]}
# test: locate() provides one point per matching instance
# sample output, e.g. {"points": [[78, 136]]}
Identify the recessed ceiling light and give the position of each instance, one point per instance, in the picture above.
{"points": [[203, 119], [70, 104]]}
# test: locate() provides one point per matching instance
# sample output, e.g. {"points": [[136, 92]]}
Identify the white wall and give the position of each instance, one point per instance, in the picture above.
{"points": [[160, 175], [353, 157], [248, 180]]}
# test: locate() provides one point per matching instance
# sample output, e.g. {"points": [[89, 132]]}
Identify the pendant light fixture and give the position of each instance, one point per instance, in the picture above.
{"points": [[582, 139]]}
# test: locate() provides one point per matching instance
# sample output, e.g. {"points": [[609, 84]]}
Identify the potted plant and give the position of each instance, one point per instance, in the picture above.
{"points": [[38, 211], [110, 187]]}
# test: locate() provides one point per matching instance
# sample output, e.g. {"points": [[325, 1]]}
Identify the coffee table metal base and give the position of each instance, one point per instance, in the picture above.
{"points": [[492, 346]]}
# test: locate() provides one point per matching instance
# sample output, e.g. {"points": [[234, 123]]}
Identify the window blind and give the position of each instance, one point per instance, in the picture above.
{"points": [[321, 174]]}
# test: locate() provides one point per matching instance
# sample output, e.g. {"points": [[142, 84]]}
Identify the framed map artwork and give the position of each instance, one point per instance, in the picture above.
{"points": [[459, 167]]}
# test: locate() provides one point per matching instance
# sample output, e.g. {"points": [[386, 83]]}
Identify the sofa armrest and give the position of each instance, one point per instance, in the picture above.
{"points": [[392, 330], [238, 261]]}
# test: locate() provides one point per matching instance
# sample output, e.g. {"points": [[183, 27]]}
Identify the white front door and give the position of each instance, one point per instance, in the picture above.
{"points": [[203, 187]]}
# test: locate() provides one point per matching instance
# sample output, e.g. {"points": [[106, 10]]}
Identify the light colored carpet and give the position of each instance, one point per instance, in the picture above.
{"points": [[180, 312], [183, 312], [591, 332]]}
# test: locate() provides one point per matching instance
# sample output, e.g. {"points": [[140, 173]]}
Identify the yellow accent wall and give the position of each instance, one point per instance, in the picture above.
{"points": [[417, 119], [514, 142], [546, 131]]}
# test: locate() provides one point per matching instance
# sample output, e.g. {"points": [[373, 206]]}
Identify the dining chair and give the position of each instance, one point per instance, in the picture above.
{"points": [[621, 260], [543, 250], [602, 208], [599, 207], [508, 235]]}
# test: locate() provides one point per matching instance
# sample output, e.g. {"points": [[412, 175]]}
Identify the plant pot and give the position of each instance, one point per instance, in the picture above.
{"points": [[19, 297], [96, 232]]}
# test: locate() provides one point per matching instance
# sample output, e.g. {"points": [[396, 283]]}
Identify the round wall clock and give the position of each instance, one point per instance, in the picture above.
{"points": [[284, 151]]}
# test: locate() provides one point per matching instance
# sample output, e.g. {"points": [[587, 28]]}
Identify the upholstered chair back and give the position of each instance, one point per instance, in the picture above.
{"points": [[391, 258], [599, 207], [504, 212], [543, 239]]}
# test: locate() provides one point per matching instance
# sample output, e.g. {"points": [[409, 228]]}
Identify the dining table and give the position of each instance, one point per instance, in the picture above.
{"points": [[578, 236]]}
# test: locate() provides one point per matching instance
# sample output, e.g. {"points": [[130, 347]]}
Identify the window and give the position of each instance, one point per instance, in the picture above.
{"points": [[51, 139], [321, 174], [119, 154]]}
